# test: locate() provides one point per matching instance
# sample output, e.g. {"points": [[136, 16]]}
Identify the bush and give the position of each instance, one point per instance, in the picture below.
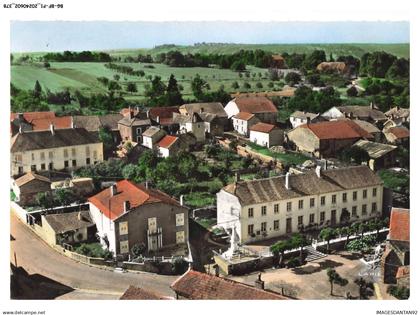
{"points": [[179, 266], [361, 244], [294, 262], [93, 250], [401, 293]]}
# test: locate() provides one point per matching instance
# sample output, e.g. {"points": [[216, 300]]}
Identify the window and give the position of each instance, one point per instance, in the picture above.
{"points": [[322, 216], [344, 197], [33, 168], [374, 207], [354, 195], [276, 208], [43, 166], [51, 154], [87, 150], [95, 154], [18, 157], [263, 226], [66, 164], [73, 163], [334, 199], [51, 166], [264, 210], [250, 229], [180, 237], [42, 155], [123, 227], [323, 201], [276, 224], [66, 153], [73, 152], [87, 161], [33, 156], [300, 204], [138, 131], [300, 220], [374, 192], [289, 206], [289, 225], [333, 216], [364, 193], [123, 247], [151, 224], [250, 212], [364, 209], [354, 211], [179, 219], [312, 202], [312, 218]]}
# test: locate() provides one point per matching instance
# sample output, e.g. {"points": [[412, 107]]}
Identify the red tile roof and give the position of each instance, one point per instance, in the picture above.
{"points": [[403, 271], [262, 127], [399, 132], [399, 225], [244, 116], [255, 104], [195, 285], [29, 116], [167, 141], [337, 129], [112, 206], [136, 293], [165, 114], [58, 122]]}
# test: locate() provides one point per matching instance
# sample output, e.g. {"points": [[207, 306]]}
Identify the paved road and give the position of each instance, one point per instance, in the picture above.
{"points": [[38, 258]]}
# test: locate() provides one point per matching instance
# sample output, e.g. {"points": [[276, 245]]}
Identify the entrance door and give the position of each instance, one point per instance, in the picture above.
{"points": [[289, 225], [333, 217]]}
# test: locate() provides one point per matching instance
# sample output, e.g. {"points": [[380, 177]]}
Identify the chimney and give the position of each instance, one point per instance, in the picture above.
{"points": [[318, 171], [237, 177], [201, 110], [131, 113], [20, 129], [72, 125], [287, 184], [371, 105], [52, 129], [113, 190], [146, 184], [137, 109], [324, 164], [126, 206], [158, 119], [181, 200], [259, 283], [148, 113], [308, 120]]}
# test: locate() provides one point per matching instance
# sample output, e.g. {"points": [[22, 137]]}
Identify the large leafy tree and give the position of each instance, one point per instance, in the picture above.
{"points": [[173, 94], [335, 278], [198, 87], [278, 250], [327, 234]]}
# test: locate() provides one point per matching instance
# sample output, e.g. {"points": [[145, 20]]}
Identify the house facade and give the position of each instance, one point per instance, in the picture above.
{"points": [[193, 124], [127, 214], [28, 186], [397, 135], [367, 113], [299, 118], [59, 149], [132, 126], [325, 139], [276, 206], [266, 135], [260, 106], [242, 121], [381, 155], [168, 145], [152, 136]]}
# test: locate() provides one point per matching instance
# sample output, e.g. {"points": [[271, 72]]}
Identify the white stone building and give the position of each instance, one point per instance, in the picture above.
{"points": [[266, 135], [242, 121], [193, 124], [152, 136], [276, 206]]}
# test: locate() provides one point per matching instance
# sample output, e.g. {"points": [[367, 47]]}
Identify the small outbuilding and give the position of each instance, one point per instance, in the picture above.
{"points": [[28, 186]]}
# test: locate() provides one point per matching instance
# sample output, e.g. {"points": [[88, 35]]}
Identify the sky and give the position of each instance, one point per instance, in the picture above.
{"points": [[27, 36]]}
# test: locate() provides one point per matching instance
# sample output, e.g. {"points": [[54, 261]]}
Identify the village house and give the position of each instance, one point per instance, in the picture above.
{"points": [[195, 285], [27, 187], [397, 135], [266, 135], [133, 125], [371, 129], [333, 67], [152, 136], [299, 118], [168, 146], [260, 106], [61, 149], [396, 258], [37, 121], [278, 62], [326, 139], [399, 113], [242, 121], [193, 124], [93, 123], [367, 113], [163, 116], [81, 186], [69, 228], [271, 207], [128, 214], [381, 155]]}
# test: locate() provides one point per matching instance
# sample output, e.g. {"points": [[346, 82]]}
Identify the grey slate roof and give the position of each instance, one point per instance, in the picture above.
{"points": [[374, 149], [140, 119], [212, 108], [306, 184], [370, 128], [93, 122], [183, 119], [363, 112], [151, 131], [38, 140], [64, 222], [304, 115]]}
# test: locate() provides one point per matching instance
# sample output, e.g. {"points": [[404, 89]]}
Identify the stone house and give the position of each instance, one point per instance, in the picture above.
{"points": [[61, 149], [128, 214], [70, 228], [193, 124], [381, 155], [28, 186], [37, 121], [276, 206], [374, 131], [399, 113], [168, 145], [93, 123], [260, 106], [397, 135], [242, 121], [334, 67], [367, 113], [299, 118], [326, 139], [163, 116], [266, 135], [396, 258], [152, 136], [133, 125]]}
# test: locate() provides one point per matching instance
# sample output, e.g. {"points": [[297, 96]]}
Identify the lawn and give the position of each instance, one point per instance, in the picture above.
{"points": [[200, 199], [396, 181], [286, 158], [207, 223]]}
